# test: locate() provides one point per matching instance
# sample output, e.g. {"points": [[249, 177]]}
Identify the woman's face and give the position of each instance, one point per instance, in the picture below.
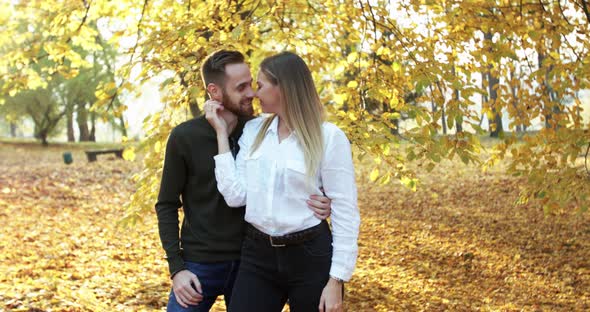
{"points": [[268, 94]]}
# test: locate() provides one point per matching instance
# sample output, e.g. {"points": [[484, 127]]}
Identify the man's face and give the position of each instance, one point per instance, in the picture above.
{"points": [[238, 93]]}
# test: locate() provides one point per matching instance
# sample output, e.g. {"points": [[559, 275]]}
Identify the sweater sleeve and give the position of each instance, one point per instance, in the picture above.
{"points": [[174, 176]]}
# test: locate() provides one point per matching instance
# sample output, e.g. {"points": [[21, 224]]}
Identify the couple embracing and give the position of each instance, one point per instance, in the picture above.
{"points": [[256, 193]]}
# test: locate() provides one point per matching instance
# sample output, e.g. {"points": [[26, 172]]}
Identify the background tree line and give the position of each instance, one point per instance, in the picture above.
{"points": [[64, 90]]}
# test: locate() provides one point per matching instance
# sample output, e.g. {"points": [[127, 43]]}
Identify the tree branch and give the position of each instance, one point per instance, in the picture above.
{"points": [[138, 34], [586, 10], [87, 6]]}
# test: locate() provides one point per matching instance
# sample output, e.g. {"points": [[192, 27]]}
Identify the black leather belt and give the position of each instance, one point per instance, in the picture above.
{"points": [[288, 239]]}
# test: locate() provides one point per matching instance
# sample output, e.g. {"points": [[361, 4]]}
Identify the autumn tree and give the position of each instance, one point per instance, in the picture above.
{"points": [[41, 106], [377, 65]]}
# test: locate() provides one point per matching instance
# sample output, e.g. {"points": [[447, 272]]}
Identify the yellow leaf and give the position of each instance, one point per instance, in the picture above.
{"points": [[340, 98], [378, 160], [109, 86], [352, 84], [352, 57], [386, 179], [129, 154], [374, 175], [394, 102]]}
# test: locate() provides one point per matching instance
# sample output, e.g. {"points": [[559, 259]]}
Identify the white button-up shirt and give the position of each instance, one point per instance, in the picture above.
{"points": [[271, 182]]}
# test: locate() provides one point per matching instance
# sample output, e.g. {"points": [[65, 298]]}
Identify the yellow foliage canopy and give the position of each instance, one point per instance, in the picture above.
{"points": [[393, 75]]}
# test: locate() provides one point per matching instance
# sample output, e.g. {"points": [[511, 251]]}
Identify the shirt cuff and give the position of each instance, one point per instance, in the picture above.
{"points": [[340, 272], [224, 160], [175, 265]]}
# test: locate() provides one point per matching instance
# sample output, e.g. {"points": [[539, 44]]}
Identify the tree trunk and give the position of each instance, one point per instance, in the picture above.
{"points": [[442, 107], [70, 125], [92, 136], [444, 119], [43, 137], [194, 107], [514, 90], [493, 81], [82, 119], [458, 123], [13, 129], [547, 114], [551, 107], [122, 126], [192, 103], [433, 105], [484, 97], [496, 124]]}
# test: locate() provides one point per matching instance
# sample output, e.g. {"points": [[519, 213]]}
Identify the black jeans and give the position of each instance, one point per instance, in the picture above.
{"points": [[269, 276]]}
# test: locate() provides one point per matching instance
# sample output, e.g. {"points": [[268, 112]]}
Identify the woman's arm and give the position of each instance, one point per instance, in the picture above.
{"points": [[337, 174], [230, 174], [213, 110]]}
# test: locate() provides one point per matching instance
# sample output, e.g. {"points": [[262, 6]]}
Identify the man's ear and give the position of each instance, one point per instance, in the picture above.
{"points": [[215, 92]]}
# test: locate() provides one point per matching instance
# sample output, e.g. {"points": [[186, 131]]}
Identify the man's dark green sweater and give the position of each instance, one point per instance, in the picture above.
{"points": [[211, 231]]}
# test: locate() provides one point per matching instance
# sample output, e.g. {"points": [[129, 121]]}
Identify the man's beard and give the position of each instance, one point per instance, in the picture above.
{"points": [[237, 108]]}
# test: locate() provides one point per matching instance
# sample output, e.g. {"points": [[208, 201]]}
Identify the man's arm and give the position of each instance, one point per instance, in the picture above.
{"points": [[173, 180], [185, 284], [320, 205]]}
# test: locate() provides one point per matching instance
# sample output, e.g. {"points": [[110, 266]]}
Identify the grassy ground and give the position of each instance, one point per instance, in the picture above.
{"points": [[32, 143], [457, 244]]}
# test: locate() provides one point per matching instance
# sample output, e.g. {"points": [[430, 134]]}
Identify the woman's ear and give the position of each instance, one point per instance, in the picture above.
{"points": [[215, 92]]}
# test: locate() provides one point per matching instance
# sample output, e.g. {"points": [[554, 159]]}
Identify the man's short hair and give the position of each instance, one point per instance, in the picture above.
{"points": [[213, 68]]}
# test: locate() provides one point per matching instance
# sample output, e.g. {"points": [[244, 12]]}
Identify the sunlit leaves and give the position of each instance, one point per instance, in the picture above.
{"points": [[388, 72]]}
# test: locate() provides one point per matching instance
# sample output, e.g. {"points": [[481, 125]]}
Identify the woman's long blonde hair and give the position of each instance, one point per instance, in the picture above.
{"points": [[303, 111]]}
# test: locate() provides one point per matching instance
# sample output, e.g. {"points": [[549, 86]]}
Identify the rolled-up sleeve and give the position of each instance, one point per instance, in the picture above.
{"points": [[337, 175]]}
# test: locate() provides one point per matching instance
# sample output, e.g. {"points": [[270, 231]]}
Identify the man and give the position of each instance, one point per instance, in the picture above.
{"points": [[203, 260]]}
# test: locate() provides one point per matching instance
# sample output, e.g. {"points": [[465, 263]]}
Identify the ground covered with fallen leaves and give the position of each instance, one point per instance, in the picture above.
{"points": [[457, 244]]}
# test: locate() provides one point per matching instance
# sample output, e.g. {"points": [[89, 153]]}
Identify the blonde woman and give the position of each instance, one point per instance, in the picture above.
{"points": [[288, 253]]}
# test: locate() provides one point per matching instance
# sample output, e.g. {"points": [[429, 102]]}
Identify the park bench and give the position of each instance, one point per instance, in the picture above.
{"points": [[92, 154]]}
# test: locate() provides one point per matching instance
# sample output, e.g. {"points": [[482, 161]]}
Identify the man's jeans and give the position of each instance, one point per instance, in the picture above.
{"points": [[217, 278]]}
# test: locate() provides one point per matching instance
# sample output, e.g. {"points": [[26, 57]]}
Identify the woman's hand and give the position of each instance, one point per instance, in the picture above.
{"points": [[212, 114], [331, 299]]}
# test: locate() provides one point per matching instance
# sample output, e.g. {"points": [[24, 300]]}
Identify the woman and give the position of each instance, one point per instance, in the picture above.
{"points": [[287, 253]]}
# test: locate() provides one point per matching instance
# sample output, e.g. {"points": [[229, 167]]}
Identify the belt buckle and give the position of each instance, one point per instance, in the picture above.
{"points": [[275, 245]]}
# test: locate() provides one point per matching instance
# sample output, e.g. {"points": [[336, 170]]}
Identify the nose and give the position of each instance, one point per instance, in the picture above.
{"points": [[250, 94]]}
